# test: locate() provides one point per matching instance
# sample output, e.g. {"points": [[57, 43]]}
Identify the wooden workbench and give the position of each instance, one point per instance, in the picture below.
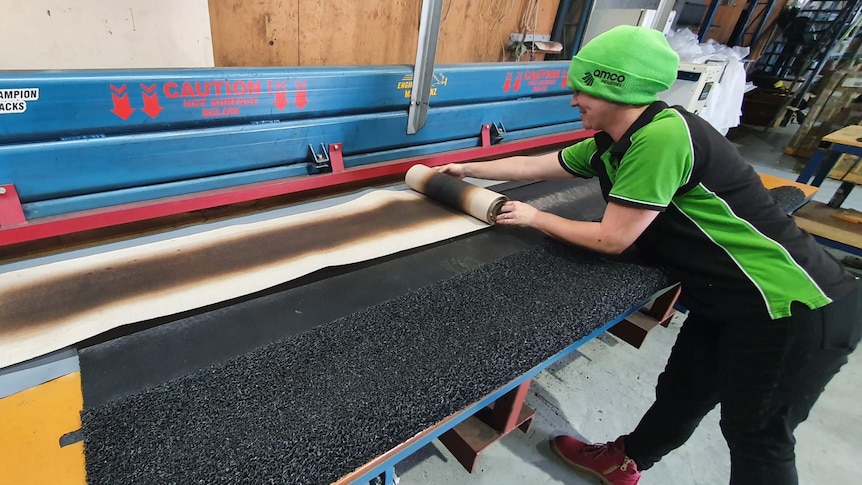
{"points": [[818, 219], [846, 140], [849, 135]]}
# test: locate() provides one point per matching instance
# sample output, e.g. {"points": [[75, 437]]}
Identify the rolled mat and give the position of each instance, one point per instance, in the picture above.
{"points": [[481, 203], [56, 303]]}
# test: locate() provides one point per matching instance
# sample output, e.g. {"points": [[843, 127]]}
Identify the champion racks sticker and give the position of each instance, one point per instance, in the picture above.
{"points": [[15, 100]]}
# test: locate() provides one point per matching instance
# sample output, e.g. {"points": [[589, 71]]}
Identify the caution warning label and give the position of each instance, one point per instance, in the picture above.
{"points": [[15, 100]]}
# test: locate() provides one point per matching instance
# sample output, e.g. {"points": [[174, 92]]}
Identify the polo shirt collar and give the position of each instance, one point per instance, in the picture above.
{"points": [[605, 142]]}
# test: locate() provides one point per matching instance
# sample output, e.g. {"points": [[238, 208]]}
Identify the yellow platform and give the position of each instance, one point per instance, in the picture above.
{"points": [[31, 425]]}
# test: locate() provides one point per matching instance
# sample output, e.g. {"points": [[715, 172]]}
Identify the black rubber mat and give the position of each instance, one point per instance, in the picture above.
{"points": [[788, 198], [314, 407], [207, 398], [135, 357]]}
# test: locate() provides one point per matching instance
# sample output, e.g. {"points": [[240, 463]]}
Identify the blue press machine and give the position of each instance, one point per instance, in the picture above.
{"points": [[83, 150], [80, 149]]}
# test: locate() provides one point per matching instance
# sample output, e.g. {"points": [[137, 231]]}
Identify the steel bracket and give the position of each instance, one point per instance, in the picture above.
{"points": [[498, 132], [327, 160], [318, 161], [492, 133]]}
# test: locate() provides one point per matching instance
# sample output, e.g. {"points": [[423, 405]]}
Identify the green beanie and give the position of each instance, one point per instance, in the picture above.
{"points": [[626, 64]]}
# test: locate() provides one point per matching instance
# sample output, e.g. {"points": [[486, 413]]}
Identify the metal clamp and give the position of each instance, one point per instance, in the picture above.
{"points": [[319, 162], [498, 132]]}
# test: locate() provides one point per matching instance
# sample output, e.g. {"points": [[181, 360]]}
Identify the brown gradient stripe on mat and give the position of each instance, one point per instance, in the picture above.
{"points": [[57, 304]]}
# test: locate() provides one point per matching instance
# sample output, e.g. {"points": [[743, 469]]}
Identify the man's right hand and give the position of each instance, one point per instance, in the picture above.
{"points": [[453, 169]]}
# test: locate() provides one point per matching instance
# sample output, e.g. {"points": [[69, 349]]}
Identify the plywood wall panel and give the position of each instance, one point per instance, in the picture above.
{"points": [[478, 30], [352, 33], [473, 30], [370, 32], [255, 32]]}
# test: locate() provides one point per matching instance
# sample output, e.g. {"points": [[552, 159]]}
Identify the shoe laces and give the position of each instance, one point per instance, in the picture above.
{"points": [[597, 452], [626, 462]]}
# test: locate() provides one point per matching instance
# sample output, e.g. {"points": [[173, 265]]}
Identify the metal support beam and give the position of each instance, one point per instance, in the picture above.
{"points": [[558, 32], [742, 24], [707, 20], [762, 25], [665, 7], [423, 70], [586, 14]]}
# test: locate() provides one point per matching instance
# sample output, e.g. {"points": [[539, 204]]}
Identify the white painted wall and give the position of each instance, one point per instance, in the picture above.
{"points": [[96, 34]]}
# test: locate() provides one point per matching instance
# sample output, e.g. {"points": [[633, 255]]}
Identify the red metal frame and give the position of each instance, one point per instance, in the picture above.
{"points": [[336, 160], [20, 230], [11, 213], [486, 135]]}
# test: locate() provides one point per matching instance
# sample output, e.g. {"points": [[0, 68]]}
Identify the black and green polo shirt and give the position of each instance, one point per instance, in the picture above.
{"points": [[719, 231]]}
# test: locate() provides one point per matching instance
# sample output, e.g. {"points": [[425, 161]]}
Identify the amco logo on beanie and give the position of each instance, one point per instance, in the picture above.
{"points": [[609, 67], [609, 78]]}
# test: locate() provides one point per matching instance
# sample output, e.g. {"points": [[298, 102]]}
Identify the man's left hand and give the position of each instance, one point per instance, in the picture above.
{"points": [[516, 213]]}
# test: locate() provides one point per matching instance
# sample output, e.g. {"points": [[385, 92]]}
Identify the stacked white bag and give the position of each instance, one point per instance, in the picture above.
{"points": [[724, 104]]}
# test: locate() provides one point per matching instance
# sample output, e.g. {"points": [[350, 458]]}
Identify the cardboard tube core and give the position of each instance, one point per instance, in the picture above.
{"points": [[481, 203]]}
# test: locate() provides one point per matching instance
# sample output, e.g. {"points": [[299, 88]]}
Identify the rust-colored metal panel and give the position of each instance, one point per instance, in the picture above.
{"points": [[635, 327], [470, 438]]}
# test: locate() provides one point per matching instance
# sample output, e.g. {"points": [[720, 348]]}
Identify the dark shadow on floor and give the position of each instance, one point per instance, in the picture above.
{"points": [[766, 147]]}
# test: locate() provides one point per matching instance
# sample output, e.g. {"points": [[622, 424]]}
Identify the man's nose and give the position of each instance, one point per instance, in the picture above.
{"points": [[574, 102]]}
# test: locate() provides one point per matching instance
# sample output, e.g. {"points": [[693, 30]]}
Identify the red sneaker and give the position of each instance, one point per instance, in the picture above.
{"points": [[608, 462]]}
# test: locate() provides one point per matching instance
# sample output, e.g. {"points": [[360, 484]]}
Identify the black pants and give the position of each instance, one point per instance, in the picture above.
{"points": [[766, 375]]}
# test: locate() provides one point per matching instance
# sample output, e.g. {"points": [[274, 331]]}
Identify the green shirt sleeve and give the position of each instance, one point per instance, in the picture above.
{"points": [[656, 165], [576, 158]]}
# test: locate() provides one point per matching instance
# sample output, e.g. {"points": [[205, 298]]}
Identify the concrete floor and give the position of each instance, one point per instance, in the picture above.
{"points": [[602, 390]]}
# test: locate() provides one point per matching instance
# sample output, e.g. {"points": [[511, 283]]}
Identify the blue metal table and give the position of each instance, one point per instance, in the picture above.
{"points": [[846, 140]]}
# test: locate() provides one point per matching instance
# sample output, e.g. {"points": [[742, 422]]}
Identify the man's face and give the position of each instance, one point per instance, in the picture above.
{"points": [[596, 113]]}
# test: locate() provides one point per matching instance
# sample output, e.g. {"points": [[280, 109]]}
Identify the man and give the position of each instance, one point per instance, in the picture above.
{"points": [[772, 316]]}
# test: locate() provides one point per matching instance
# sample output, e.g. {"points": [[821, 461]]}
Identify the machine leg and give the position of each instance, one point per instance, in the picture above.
{"points": [[662, 309], [388, 477], [634, 328], [824, 169], [811, 167], [467, 440]]}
